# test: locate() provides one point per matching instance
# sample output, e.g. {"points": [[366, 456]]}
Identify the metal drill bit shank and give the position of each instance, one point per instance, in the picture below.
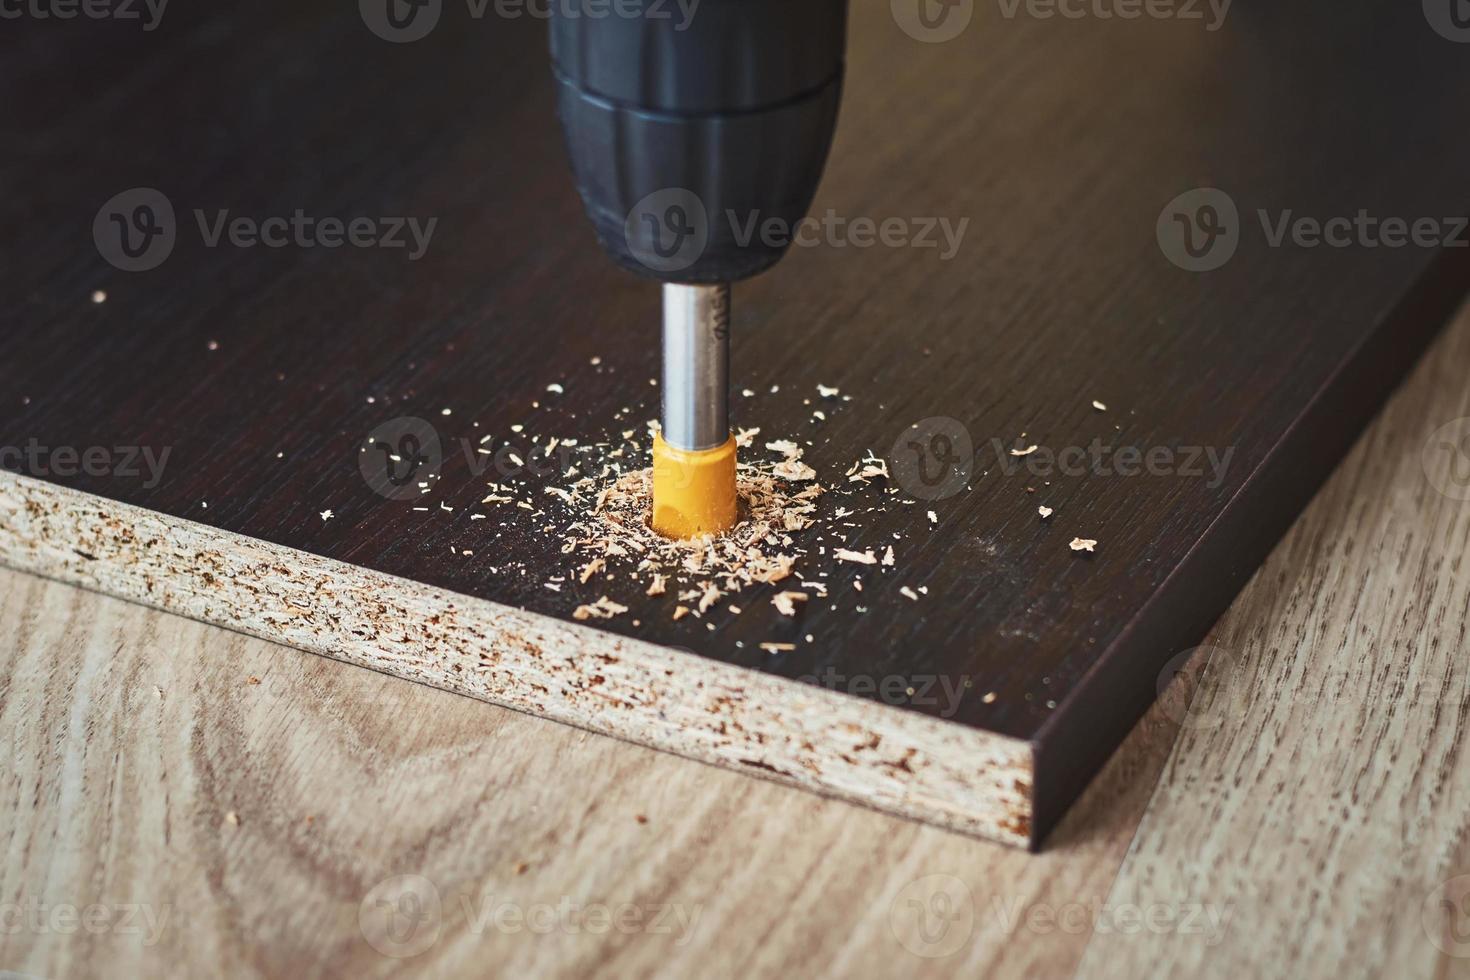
{"points": [[696, 368]]}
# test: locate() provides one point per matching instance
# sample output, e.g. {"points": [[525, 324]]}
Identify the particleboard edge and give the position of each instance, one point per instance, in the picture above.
{"points": [[893, 760]]}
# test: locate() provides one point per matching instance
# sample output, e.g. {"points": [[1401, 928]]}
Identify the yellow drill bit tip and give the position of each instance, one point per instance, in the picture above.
{"points": [[693, 492]]}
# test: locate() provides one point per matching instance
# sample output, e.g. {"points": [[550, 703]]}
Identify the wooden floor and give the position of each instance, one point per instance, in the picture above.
{"points": [[182, 800]]}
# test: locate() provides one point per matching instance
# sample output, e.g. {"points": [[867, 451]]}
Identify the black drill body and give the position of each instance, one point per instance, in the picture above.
{"points": [[731, 116]]}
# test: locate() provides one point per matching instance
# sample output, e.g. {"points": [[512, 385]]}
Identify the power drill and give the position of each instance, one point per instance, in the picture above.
{"points": [[688, 129]]}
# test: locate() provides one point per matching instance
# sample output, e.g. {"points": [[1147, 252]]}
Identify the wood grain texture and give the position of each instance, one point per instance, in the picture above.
{"points": [[263, 370], [134, 735], [1320, 792], [1322, 798]]}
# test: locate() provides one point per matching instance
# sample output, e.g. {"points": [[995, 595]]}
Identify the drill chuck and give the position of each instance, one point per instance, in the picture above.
{"points": [[686, 134]]}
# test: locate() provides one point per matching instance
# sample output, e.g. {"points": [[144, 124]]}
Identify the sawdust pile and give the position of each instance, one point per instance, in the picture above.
{"points": [[761, 549]]}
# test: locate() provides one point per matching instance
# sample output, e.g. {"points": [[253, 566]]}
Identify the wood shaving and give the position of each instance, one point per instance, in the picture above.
{"points": [[712, 595], [794, 470], [778, 647], [785, 602], [659, 585], [909, 593], [861, 558], [1083, 544], [1099, 406], [603, 608], [1024, 452], [1045, 512], [868, 468]]}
